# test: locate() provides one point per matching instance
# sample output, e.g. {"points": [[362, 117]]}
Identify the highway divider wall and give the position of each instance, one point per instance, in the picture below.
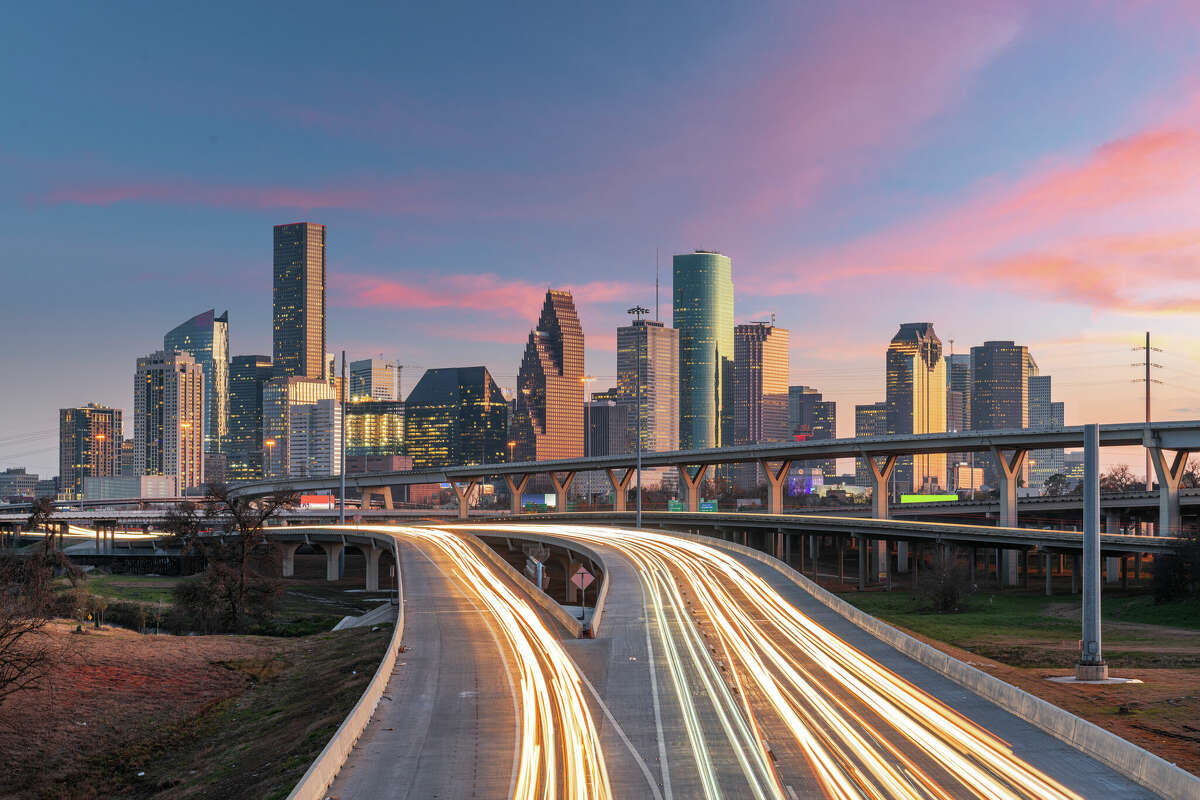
{"points": [[1142, 766], [326, 766]]}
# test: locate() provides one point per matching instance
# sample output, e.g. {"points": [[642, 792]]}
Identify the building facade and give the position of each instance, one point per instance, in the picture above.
{"points": [[375, 428], [1000, 395], [205, 337], [548, 422], [17, 484], [703, 316], [248, 376], [168, 413], [916, 400], [89, 444], [812, 418], [456, 416], [608, 427], [760, 392], [870, 419], [299, 301], [374, 379], [314, 439], [648, 353], [1044, 413], [281, 396]]}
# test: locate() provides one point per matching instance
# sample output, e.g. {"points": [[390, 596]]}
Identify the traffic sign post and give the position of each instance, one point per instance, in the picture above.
{"points": [[583, 579]]}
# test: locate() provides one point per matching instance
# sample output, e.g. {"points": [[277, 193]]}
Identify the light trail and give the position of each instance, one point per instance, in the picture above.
{"points": [[864, 731], [559, 753]]}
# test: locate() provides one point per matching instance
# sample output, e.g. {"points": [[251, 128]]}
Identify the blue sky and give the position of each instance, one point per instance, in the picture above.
{"points": [[1003, 170]]}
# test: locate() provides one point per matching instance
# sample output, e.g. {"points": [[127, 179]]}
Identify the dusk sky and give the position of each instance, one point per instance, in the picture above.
{"points": [[1025, 171]]}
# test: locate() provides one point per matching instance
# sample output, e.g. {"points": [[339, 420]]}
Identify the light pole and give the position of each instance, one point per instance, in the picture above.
{"points": [[342, 449], [638, 312], [511, 445], [270, 445], [587, 415]]}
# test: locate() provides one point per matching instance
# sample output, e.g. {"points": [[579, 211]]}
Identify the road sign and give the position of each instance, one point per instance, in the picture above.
{"points": [[582, 578], [708, 505], [674, 505]]}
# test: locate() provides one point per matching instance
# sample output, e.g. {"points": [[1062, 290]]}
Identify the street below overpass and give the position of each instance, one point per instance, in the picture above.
{"points": [[711, 674]]}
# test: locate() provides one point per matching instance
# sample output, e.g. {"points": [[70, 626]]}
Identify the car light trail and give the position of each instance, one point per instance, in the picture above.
{"points": [[559, 754], [813, 682]]}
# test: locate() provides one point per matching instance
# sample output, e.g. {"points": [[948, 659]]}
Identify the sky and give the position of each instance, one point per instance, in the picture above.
{"points": [[1009, 170]]}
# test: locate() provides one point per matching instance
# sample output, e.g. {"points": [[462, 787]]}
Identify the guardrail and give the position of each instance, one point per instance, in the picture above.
{"points": [[1139, 765], [326, 766]]}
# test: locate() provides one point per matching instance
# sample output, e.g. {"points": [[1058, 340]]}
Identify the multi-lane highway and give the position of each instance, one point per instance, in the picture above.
{"points": [[708, 677]]}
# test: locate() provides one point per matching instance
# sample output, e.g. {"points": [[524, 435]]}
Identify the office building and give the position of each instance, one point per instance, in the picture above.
{"points": [[1000, 395], [281, 396], [1044, 414], [205, 337], [374, 379], [703, 316], [47, 487], [760, 392], [125, 458], [958, 416], [916, 400], [870, 419], [122, 486], [314, 439], [375, 428], [16, 484], [608, 428], [456, 416], [648, 353], [89, 443], [248, 376], [299, 301], [548, 422], [168, 418], [812, 418]]}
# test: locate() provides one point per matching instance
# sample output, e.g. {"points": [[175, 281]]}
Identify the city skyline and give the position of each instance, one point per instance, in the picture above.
{"points": [[940, 194]]}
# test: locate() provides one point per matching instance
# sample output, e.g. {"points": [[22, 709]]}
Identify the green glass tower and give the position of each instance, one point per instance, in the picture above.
{"points": [[703, 315]]}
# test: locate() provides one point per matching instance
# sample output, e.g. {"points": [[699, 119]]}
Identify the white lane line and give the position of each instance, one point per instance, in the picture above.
{"points": [[658, 726], [621, 732]]}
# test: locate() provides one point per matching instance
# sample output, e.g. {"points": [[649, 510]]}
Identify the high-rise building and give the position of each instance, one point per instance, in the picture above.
{"points": [[248, 375], [17, 484], [168, 418], [89, 443], [812, 418], [608, 428], [760, 384], [958, 379], [314, 439], [1044, 413], [869, 420], [456, 416], [916, 400], [375, 428], [648, 353], [1000, 395], [125, 459], [205, 337], [703, 315], [281, 396], [299, 301], [549, 415], [373, 379]]}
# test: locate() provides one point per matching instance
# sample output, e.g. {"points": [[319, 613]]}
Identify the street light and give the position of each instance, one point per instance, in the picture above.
{"points": [[270, 445], [587, 415], [638, 312], [511, 445]]}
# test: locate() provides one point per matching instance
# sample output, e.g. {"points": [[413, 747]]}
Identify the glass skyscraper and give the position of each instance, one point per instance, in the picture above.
{"points": [[870, 419], [812, 418], [205, 337], [456, 415], [375, 428], [373, 379], [89, 445], [1044, 413], [648, 351], [247, 377], [702, 285], [548, 422], [916, 401], [1000, 395], [299, 301], [168, 418]]}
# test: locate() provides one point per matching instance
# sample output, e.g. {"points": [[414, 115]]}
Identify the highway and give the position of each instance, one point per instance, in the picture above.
{"points": [[778, 699]]}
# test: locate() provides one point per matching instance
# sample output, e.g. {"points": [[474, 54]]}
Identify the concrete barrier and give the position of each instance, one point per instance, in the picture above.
{"points": [[326, 766], [1142, 766]]}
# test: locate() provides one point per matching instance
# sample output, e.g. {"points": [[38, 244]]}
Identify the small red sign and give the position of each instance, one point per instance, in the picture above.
{"points": [[582, 578]]}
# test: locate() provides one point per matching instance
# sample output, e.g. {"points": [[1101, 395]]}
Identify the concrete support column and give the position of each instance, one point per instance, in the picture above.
{"points": [[1112, 524], [690, 480], [287, 557], [971, 567], [462, 490], [369, 493], [1170, 476], [372, 555], [1008, 470], [561, 485], [1049, 567], [787, 547], [881, 473], [776, 476], [516, 487], [841, 559], [620, 486], [862, 563], [1091, 664], [901, 557], [333, 554]]}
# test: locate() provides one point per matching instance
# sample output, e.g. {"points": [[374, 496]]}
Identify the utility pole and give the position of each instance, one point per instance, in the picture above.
{"points": [[342, 402], [1148, 380]]}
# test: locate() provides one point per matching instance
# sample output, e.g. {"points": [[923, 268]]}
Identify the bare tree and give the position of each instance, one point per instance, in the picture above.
{"points": [[1120, 479], [1191, 475], [41, 515], [27, 653]]}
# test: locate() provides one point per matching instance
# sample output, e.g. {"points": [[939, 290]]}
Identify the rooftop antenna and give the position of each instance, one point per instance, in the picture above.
{"points": [[657, 318]]}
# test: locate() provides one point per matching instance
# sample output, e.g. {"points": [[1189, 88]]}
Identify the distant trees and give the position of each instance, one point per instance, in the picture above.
{"points": [[1057, 485], [1118, 478], [238, 586]]}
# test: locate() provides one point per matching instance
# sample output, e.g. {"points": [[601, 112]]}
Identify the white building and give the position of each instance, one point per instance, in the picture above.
{"points": [[315, 439], [374, 379], [281, 396], [168, 418]]}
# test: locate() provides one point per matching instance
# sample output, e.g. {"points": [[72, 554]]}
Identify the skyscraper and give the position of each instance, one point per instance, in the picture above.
{"points": [[456, 416], [281, 396], [373, 379], [812, 418], [651, 351], [89, 445], [760, 383], [314, 439], [247, 377], [958, 379], [1000, 395], [869, 420], [916, 401], [168, 418], [608, 427], [1044, 413], [205, 337], [548, 422], [375, 428], [703, 315], [299, 300]]}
